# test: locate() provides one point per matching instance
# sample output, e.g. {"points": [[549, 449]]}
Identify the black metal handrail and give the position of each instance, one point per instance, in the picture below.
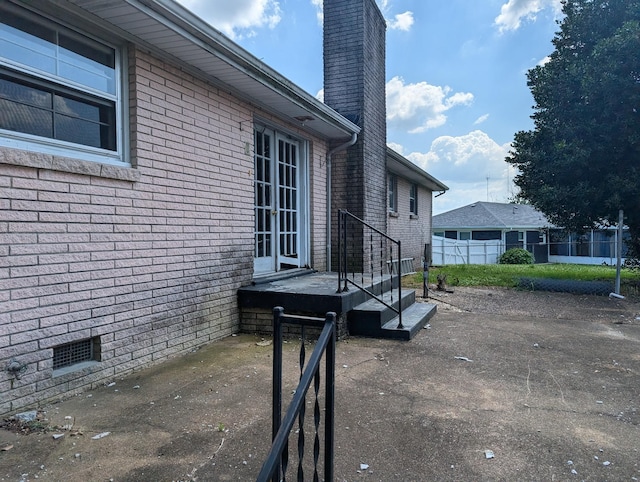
{"points": [[355, 257], [275, 465]]}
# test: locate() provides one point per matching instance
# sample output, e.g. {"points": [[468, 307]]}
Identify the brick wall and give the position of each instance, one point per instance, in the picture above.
{"points": [[259, 320], [413, 231], [146, 260]]}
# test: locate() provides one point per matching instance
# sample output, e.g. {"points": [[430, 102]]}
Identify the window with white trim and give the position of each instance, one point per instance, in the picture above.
{"points": [[392, 191], [59, 89], [413, 199]]}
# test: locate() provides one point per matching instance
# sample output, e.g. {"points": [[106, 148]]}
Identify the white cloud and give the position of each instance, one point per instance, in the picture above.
{"points": [[472, 166], [544, 60], [319, 4], [419, 107], [238, 18], [320, 95], [481, 119], [514, 12], [399, 148], [402, 21]]}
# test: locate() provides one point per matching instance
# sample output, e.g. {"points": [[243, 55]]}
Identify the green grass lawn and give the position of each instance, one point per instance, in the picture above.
{"points": [[508, 274]]}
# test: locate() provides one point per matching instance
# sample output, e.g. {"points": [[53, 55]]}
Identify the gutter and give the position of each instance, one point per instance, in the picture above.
{"points": [[341, 147]]}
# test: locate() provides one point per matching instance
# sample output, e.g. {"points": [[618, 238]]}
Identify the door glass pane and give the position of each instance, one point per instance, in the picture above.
{"points": [[287, 198], [263, 203]]}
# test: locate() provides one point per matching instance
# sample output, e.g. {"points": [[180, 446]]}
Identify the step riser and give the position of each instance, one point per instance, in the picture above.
{"points": [[380, 314], [414, 319]]}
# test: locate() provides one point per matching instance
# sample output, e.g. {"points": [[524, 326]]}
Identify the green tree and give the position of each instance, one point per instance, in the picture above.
{"points": [[581, 163]]}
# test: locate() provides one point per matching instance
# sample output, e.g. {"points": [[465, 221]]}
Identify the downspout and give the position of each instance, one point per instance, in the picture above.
{"points": [[346, 145]]}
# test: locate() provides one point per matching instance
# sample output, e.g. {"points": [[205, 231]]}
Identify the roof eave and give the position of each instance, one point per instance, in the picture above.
{"points": [[283, 98], [400, 165]]}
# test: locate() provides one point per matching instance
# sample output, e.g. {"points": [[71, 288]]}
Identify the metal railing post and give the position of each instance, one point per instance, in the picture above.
{"points": [[276, 406], [275, 465], [330, 390], [345, 251], [343, 278], [400, 326], [340, 247]]}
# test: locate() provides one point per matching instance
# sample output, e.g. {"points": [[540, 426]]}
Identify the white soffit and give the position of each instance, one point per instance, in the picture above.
{"points": [[167, 28]]}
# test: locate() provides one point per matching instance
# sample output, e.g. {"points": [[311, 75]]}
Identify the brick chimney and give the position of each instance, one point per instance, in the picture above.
{"points": [[354, 85]]}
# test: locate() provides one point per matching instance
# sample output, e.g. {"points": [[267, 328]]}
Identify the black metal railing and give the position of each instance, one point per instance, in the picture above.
{"points": [[365, 253], [277, 462]]}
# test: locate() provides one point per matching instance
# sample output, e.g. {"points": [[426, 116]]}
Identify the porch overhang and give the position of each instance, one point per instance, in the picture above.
{"points": [[169, 30]]}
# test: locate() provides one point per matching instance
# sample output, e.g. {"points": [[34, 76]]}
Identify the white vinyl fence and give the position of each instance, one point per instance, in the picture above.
{"points": [[452, 251]]}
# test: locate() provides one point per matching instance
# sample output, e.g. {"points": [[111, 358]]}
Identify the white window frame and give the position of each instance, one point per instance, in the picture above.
{"points": [[392, 193], [413, 199], [46, 145]]}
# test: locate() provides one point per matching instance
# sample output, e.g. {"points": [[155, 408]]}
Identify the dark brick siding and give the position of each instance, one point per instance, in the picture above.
{"points": [[354, 83]]}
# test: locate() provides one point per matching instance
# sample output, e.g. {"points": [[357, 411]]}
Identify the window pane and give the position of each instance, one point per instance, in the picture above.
{"points": [[78, 131], [28, 120], [45, 46], [258, 143], [24, 108], [267, 145], [102, 81], [87, 62], [76, 108], [15, 47], [486, 235], [34, 31], [26, 41], [85, 123], [24, 93], [81, 50]]}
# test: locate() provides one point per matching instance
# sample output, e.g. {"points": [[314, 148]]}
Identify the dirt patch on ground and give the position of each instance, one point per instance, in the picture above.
{"points": [[547, 383], [541, 304]]}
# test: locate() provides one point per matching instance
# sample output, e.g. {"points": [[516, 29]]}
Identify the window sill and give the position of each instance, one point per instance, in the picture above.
{"points": [[413, 216], [76, 367], [18, 157], [393, 214]]}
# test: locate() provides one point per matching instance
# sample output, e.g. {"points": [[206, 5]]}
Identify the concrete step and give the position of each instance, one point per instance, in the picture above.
{"points": [[373, 312], [374, 319], [414, 319]]}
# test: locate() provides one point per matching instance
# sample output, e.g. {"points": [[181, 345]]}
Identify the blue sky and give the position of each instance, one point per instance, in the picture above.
{"points": [[456, 76]]}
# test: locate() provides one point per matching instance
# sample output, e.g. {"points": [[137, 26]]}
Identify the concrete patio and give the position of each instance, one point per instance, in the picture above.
{"points": [[550, 383]]}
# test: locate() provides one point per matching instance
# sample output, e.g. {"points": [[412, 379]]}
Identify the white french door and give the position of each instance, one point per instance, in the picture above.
{"points": [[280, 173]]}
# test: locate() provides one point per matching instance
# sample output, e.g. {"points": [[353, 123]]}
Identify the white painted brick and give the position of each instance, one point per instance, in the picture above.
{"points": [[136, 263]]}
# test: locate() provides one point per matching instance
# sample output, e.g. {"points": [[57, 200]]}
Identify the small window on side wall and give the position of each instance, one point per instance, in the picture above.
{"points": [[392, 190], [413, 199]]}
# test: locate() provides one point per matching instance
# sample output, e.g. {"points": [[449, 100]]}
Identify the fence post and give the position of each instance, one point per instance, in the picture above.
{"points": [[425, 270]]}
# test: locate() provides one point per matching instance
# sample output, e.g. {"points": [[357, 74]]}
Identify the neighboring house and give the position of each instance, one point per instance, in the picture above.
{"points": [[150, 168], [487, 229], [513, 224]]}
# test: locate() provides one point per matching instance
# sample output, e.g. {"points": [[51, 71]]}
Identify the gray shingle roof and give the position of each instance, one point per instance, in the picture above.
{"points": [[486, 215]]}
